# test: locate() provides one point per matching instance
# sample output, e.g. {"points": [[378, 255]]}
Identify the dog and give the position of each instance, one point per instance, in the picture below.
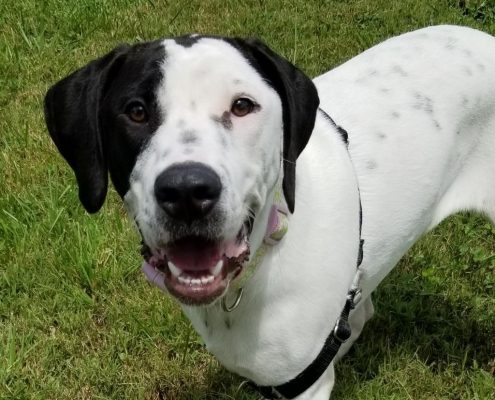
{"points": [[204, 139]]}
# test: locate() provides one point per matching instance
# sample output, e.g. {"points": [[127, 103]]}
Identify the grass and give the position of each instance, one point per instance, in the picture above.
{"points": [[77, 320]]}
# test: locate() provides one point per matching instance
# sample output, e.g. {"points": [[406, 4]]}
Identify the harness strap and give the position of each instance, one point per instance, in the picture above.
{"points": [[339, 334]]}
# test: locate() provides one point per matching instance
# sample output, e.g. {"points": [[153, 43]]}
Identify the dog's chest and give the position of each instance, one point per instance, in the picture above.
{"points": [[226, 335]]}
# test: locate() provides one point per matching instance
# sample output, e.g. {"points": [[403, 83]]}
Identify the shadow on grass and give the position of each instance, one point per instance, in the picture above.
{"points": [[432, 328], [218, 384]]}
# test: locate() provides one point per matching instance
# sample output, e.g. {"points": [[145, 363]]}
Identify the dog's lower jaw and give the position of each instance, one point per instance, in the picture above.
{"points": [[197, 270], [278, 329]]}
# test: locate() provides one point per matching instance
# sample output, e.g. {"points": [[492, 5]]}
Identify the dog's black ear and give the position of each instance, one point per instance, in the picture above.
{"points": [[299, 102], [72, 116]]}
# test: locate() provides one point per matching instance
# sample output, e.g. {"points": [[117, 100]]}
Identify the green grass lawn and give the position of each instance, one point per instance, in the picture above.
{"points": [[78, 321]]}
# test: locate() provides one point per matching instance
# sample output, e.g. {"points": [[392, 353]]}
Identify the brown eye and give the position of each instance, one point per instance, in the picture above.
{"points": [[137, 113], [242, 107]]}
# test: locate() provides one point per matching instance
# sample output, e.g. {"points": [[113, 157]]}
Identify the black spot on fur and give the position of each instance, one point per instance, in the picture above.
{"points": [[397, 69], [206, 318], [225, 120], [187, 41], [189, 137], [467, 71], [423, 102], [371, 164]]}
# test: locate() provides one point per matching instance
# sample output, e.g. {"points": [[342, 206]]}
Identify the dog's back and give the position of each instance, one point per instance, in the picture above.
{"points": [[420, 113]]}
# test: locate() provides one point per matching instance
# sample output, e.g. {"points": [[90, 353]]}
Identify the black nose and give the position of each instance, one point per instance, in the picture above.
{"points": [[188, 191]]}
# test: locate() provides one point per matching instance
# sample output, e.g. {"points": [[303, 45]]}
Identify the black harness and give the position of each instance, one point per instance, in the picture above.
{"points": [[339, 334]]}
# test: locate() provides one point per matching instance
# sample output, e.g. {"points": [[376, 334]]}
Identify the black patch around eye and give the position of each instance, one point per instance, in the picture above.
{"points": [[134, 86]]}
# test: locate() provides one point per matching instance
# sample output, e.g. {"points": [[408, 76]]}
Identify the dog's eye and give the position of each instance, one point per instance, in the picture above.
{"points": [[242, 107], [137, 112]]}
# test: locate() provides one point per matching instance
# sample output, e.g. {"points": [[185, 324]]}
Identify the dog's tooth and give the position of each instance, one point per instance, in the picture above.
{"points": [[216, 270], [184, 280], [174, 270], [207, 279], [196, 281]]}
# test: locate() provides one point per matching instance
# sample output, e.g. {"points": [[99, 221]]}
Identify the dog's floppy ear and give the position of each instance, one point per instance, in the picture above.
{"points": [[299, 102], [72, 117]]}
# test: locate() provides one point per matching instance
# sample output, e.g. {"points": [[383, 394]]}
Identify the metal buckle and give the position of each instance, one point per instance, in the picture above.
{"points": [[342, 327], [356, 297], [236, 302]]}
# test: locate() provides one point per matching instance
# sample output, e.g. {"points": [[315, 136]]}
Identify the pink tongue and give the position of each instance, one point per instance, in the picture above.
{"points": [[195, 254]]}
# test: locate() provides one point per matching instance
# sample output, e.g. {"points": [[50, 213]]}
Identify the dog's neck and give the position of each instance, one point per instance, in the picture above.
{"points": [[276, 226], [299, 289]]}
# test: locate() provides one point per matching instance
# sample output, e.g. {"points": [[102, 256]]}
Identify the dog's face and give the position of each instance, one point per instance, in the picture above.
{"points": [[208, 167], [193, 131]]}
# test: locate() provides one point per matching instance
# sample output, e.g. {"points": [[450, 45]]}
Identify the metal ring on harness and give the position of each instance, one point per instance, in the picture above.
{"points": [[236, 302]]}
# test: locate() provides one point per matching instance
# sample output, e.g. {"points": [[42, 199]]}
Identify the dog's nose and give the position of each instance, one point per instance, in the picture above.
{"points": [[188, 191]]}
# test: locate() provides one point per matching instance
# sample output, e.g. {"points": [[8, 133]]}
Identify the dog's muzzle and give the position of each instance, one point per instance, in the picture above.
{"points": [[197, 263]]}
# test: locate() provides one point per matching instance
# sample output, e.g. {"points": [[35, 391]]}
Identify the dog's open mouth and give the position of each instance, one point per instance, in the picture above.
{"points": [[198, 270]]}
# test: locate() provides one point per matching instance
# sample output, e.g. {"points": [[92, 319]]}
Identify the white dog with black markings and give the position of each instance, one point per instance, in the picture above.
{"points": [[201, 135]]}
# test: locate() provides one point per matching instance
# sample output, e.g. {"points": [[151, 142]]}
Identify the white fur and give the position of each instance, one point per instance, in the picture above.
{"points": [[419, 110]]}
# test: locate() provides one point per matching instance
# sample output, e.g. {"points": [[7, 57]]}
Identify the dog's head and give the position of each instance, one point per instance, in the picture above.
{"points": [[195, 132]]}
